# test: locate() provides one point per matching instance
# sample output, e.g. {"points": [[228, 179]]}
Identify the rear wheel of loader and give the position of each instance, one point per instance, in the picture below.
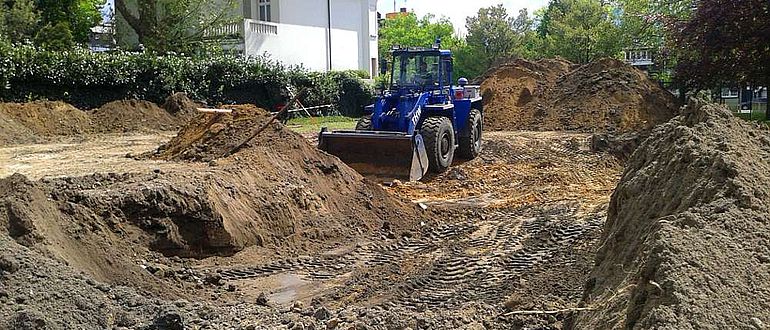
{"points": [[470, 141], [439, 137], [365, 123]]}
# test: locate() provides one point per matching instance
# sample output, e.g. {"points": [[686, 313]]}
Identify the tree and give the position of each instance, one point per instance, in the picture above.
{"points": [[410, 31], [174, 25], [80, 15], [20, 20], [493, 35], [725, 41], [582, 30], [55, 37]]}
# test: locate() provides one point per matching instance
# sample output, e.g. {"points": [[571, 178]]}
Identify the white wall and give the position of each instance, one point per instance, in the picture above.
{"points": [[303, 36]]}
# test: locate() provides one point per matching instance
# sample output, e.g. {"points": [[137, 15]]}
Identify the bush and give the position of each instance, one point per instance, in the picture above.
{"points": [[55, 37], [88, 80]]}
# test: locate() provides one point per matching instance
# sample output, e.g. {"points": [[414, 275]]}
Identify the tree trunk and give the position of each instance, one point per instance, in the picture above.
{"points": [[146, 23]]}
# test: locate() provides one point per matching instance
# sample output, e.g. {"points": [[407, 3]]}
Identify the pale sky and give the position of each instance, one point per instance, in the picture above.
{"points": [[458, 10]]}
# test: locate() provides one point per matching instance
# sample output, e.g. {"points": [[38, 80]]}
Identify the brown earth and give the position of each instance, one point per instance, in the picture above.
{"points": [[45, 121], [132, 116], [686, 243], [606, 95], [182, 108], [28, 122]]}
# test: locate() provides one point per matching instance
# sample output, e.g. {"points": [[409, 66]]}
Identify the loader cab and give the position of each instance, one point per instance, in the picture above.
{"points": [[421, 70]]}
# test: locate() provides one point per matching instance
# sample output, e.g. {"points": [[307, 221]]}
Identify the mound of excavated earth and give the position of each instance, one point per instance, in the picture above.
{"points": [[40, 121], [132, 115], [687, 244], [29, 122], [606, 95]]}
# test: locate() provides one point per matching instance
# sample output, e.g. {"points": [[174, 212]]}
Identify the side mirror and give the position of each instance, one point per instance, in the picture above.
{"points": [[449, 66], [383, 67]]}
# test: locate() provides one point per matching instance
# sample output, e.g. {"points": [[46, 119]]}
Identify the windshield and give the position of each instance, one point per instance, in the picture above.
{"points": [[415, 70]]}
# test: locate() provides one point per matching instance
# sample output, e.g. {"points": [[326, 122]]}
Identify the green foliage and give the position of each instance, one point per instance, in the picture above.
{"points": [[582, 31], [724, 42], [493, 35], [344, 90], [410, 31], [55, 38], [21, 20], [89, 79], [80, 15], [173, 25]]}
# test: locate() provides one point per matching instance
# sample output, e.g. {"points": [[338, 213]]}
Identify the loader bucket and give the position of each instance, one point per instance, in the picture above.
{"points": [[381, 155]]}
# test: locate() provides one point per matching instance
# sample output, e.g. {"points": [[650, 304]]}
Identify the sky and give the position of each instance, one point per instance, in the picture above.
{"points": [[458, 10]]}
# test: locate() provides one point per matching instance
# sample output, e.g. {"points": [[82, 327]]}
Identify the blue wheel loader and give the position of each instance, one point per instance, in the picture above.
{"points": [[419, 124]]}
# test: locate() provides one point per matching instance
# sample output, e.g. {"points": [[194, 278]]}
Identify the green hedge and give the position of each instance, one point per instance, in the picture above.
{"points": [[88, 80]]}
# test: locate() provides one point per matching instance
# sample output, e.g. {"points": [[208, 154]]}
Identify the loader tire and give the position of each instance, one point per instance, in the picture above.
{"points": [[470, 141], [365, 123], [439, 137]]}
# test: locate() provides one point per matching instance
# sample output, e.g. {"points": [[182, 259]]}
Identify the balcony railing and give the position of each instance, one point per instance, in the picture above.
{"points": [[263, 27], [234, 30]]}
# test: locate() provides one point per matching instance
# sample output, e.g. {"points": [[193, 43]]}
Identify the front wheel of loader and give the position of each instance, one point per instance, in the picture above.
{"points": [[470, 141], [365, 123], [439, 137]]}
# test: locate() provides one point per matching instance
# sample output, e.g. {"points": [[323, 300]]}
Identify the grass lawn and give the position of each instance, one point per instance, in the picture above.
{"points": [[314, 124]]}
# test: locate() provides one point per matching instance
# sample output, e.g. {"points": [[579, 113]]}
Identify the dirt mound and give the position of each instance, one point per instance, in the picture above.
{"points": [[46, 118], [686, 245], [11, 132], [131, 116], [213, 136], [605, 95], [181, 107]]}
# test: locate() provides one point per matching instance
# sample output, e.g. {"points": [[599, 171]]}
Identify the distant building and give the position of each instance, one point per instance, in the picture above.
{"points": [[320, 35], [745, 99], [401, 12], [640, 57], [101, 38]]}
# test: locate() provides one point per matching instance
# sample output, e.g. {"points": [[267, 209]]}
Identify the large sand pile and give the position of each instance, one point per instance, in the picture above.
{"points": [[602, 96], [686, 244]]}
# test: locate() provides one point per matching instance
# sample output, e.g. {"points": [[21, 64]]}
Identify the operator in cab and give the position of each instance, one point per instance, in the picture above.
{"points": [[425, 75]]}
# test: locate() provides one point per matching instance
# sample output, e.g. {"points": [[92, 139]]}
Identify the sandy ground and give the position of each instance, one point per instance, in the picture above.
{"points": [[77, 156], [519, 229]]}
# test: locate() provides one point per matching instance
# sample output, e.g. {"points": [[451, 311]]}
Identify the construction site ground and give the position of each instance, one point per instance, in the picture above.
{"points": [[516, 231]]}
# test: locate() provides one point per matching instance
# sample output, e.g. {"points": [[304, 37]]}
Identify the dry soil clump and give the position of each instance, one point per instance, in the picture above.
{"points": [[605, 95], [685, 245]]}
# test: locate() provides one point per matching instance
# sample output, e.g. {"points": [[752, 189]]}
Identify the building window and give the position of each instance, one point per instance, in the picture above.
{"points": [[264, 10]]}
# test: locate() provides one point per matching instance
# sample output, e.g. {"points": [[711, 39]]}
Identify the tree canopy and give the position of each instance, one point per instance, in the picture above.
{"points": [[33, 20], [725, 41], [173, 25]]}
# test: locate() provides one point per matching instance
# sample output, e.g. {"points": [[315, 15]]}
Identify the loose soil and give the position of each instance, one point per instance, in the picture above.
{"points": [[606, 95], [685, 245], [280, 238], [44, 121], [132, 116]]}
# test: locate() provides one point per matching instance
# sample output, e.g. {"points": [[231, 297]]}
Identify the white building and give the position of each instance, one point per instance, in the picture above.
{"points": [[320, 35]]}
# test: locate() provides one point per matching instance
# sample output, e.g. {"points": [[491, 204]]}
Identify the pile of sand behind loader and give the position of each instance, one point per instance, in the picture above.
{"points": [[686, 243], [606, 95]]}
